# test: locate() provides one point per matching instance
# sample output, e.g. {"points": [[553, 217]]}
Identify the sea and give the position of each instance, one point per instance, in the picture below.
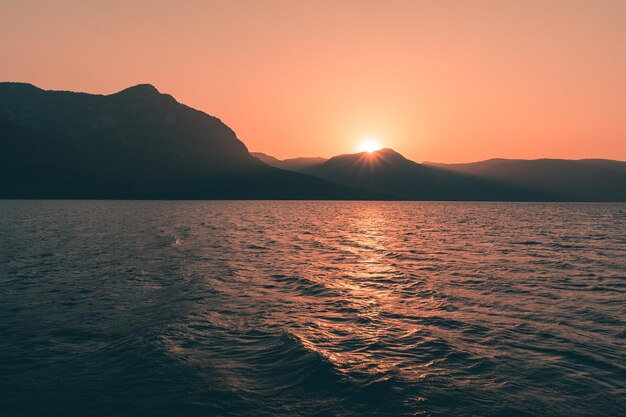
{"points": [[312, 308]]}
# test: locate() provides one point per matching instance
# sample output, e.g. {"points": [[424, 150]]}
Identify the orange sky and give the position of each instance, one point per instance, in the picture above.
{"points": [[437, 81]]}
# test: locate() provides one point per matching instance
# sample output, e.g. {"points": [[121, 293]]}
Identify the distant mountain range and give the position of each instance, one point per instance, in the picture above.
{"points": [[141, 144], [293, 164], [559, 179], [496, 179]]}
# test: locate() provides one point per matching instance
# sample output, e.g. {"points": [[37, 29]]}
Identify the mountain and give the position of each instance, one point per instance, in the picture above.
{"points": [[302, 164], [137, 143], [563, 180], [388, 171], [495, 179], [140, 143]]}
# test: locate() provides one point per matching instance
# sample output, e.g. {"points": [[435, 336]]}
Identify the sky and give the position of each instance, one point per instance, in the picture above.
{"points": [[441, 81]]}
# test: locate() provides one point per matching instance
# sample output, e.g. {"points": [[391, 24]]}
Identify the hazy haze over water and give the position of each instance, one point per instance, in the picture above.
{"points": [[312, 308]]}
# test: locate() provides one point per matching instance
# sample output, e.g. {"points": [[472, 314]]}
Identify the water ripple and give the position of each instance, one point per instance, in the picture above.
{"points": [[312, 309]]}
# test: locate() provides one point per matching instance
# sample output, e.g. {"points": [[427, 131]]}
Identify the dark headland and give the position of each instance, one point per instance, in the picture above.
{"points": [[135, 144], [142, 144]]}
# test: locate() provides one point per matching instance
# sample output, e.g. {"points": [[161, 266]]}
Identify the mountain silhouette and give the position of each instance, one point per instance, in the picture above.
{"points": [[388, 171], [302, 164], [140, 143], [496, 179], [562, 180], [137, 143]]}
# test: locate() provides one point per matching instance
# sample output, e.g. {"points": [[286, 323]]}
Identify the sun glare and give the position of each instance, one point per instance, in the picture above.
{"points": [[369, 145]]}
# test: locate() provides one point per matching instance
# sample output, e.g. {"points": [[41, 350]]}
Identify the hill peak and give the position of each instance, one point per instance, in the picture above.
{"points": [[140, 90], [386, 154], [17, 84], [17, 87]]}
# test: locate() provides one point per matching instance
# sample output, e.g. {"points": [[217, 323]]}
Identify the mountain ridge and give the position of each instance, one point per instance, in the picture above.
{"points": [[389, 170], [141, 143], [474, 180], [300, 164], [590, 179], [136, 143]]}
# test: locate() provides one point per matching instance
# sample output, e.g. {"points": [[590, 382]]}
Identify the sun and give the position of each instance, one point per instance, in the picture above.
{"points": [[369, 145]]}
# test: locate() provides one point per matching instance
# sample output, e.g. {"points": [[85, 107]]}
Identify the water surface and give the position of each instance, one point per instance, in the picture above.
{"points": [[312, 309]]}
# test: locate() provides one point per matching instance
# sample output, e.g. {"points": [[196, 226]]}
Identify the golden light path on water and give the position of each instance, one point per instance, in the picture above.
{"points": [[365, 287]]}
